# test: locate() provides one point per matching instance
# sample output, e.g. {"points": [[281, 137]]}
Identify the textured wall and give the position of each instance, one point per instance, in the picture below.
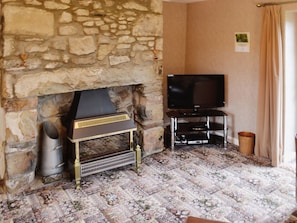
{"points": [[55, 47], [2, 126]]}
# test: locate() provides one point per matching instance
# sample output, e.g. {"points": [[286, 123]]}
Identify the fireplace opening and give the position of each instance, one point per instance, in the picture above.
{"points": [[98, 128]]}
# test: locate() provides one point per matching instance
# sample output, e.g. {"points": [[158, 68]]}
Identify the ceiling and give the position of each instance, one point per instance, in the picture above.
{"points": [[183, 1]]}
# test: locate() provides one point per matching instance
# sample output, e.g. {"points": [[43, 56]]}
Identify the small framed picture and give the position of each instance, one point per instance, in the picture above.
{"points": [[242, 41]]}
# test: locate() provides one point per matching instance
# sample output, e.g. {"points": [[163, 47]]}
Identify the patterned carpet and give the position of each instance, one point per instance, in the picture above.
{"points": [[207, 182]]}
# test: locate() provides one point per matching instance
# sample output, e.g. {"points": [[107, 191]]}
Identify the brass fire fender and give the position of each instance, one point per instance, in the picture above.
{"points": [[128, 127]]}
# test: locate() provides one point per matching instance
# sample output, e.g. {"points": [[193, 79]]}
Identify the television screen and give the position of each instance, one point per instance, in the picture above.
{"points": [[195, 91]]}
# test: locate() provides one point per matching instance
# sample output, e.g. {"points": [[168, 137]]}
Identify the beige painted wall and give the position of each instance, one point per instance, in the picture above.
{"points": [[175, 32], [174, 45], [210, 49]]}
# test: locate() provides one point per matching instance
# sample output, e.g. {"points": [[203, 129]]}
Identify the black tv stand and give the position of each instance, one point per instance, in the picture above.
{"points": [[197, 127]]}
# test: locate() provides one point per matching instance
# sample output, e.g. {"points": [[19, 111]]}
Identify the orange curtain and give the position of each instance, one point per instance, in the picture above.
{"points": [[269, 141]]}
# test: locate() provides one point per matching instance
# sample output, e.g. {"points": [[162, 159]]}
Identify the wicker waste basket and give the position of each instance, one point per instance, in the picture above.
{"points": [[246, 142]]}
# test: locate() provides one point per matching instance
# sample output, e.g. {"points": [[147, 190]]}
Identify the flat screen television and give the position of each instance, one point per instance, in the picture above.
{"points": [[195, 91]]}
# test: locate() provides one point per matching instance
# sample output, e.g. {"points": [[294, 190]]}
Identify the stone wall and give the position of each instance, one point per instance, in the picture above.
{"points": [[2, 120], [55, 47]]}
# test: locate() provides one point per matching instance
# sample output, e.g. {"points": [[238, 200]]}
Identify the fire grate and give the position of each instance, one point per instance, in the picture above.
{"points": [[108, 162]]}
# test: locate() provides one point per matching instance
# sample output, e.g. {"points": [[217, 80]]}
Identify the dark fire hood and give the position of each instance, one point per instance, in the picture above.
{"points": [[92, 113]]}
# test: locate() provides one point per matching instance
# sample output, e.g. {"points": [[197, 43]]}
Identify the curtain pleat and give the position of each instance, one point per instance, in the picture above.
{"points": [[269, 141]]}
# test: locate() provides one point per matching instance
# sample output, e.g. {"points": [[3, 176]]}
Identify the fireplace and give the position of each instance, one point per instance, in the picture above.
{"points": [[51, 50], [93, 116]]}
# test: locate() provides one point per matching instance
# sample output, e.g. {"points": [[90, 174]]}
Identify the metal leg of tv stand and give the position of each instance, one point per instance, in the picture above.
{"points": [[225, 131], [173, 123]]}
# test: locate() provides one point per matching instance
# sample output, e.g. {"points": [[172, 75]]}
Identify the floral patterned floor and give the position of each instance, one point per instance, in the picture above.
{"points": [[205, 181]]}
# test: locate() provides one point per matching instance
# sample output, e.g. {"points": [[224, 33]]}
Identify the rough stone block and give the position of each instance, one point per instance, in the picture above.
{"points": [[151, 145], [20, 183], [22, 20], [21, 126], [20, 163], [82, 45], [149, 25], [12, 105]]}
